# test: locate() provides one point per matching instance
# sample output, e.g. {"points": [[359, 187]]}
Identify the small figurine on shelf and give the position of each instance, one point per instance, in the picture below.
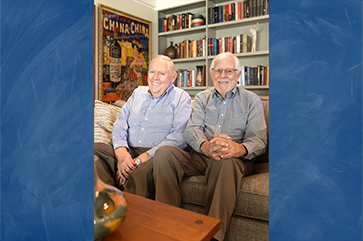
{"points": [[254, 38]]}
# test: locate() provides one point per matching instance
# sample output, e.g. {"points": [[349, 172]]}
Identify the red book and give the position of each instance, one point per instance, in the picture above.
{"points": [[165, 25], [229, 11], [239, 4], [264, 75], [178, 21], [230, 42], [220, 45]]}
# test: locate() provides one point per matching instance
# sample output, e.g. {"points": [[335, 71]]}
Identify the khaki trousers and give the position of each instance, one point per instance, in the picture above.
{"points": [[142, 177], [223, 180]]}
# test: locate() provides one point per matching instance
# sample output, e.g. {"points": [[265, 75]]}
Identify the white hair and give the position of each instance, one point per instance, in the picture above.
{"points": [[226, 55]]}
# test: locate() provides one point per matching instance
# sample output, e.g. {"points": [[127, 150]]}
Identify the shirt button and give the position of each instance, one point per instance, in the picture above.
{"points": [[224, 102], [139, 141], [149, 108], [145, 118], [142, 128], [219, 126], [222, 114]]}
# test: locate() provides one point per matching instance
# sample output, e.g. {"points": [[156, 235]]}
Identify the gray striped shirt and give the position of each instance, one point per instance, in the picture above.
{"points": [[239, 116]]}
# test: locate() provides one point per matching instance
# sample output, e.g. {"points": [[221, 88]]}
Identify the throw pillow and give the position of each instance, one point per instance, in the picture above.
{"points": [[105, 116]]}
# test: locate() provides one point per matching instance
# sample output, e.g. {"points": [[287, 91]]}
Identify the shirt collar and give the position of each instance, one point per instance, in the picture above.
{"points": [[171, 87], [231, 94]]}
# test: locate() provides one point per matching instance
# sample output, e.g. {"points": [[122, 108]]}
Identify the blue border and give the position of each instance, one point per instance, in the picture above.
{"points": [[47, 120], [316, 120]]}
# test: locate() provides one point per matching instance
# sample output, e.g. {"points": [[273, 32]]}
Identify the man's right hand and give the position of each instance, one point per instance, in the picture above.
{"points": [[125, 165]]}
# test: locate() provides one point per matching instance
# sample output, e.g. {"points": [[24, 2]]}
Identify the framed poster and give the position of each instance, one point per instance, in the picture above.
{"points": [[124, 53]]}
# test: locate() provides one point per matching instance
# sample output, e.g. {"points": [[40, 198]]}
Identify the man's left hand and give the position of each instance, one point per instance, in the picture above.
{"points": [[222, 146]]}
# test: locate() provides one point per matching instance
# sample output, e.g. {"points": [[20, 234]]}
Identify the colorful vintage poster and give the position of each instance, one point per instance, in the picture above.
{"points": [[123, 40]]}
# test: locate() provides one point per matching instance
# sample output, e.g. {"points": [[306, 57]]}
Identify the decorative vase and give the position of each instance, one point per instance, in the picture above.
{"points": [[110, 207], [170, 51], [197, 20]]}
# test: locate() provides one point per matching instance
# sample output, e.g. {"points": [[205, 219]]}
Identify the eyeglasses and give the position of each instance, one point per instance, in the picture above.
{"points": [[160, 73], [228, 72]]}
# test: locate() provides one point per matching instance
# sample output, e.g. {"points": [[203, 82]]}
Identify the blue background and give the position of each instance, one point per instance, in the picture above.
{"points": [[47, 120], [316, 120]]}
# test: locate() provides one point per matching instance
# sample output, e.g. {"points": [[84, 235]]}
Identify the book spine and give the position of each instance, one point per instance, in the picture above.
{"points": [[220, 45], [242, 77], [230, 13], [220, 14], [230, 44], [248, 75], [233, 12], [204, 48], [223, 45], [210, 15], [215, 46], [215, 14], [252, 75], [193, 77], [238, 44]]}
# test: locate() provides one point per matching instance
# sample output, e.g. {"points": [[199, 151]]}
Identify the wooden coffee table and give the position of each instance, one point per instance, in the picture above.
{"points": [[151, 220]]}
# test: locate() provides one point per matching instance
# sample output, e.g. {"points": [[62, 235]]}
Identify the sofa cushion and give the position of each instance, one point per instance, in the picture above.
{"points": [[252, 200], [105, 116]]}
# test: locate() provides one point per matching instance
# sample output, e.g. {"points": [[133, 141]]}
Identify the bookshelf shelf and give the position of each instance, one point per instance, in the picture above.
{"points": [[189, 59], [216, 30], [240, 22], [249, 54], [183, 31]]}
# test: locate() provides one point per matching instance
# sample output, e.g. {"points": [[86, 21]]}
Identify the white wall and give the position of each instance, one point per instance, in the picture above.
{"points": [[161, 4]]}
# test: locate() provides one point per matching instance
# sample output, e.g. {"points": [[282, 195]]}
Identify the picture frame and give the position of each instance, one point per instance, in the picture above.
{"points": [[134, 37]]}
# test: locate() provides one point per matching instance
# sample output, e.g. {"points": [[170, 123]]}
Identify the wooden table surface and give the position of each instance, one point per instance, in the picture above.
{"points": [[150, 220]]}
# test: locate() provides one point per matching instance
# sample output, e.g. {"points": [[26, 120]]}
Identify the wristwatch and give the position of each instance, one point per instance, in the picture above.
{"points": [[137, 161]]}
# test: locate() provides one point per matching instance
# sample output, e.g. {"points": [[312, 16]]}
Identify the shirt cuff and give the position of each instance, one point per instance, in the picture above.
{"points": [[198, 145], [120, 144], [248, 155]]}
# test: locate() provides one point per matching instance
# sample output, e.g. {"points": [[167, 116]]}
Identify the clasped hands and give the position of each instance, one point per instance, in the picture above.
{"points": [[126, 164], [222, 146]]}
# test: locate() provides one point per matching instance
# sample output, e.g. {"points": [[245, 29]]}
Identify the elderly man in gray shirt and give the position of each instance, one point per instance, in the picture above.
{"points": [[226, 131]]}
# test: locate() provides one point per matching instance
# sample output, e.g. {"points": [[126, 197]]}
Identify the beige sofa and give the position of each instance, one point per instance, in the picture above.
{"points": [[250, 220]]}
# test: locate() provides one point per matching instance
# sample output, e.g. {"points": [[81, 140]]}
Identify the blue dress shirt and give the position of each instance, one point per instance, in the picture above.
{"points": [[151, 122]]}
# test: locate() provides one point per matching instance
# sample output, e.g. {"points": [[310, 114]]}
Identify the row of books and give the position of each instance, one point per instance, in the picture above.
{"points": [[238, 10], [190, 48], [213, 46], [234, 44], [179, 21], [258, 75], [191, 78]]}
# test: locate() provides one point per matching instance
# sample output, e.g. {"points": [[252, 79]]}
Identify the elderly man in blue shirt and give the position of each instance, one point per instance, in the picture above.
{"points": [[226, 130], [154, 116]]}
